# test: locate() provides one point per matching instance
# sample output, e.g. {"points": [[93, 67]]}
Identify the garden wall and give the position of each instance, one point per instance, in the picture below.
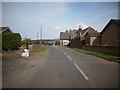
{"points": [[106, 49]]}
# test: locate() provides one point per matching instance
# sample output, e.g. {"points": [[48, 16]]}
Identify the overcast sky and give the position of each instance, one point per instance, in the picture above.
{"points": [[26, 17]]}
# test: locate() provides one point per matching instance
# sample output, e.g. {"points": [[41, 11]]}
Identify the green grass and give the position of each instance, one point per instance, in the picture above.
{"points": [[42, 50], [105, 55]]}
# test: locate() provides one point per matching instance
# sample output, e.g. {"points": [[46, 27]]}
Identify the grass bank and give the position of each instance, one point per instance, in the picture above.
{"points": [[100, 54]]}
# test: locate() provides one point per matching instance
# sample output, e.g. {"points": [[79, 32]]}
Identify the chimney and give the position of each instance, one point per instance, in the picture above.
{"points": [[79, 29], [66, 31]]}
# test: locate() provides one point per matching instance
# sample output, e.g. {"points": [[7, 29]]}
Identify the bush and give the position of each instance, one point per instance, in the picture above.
{"points": [[11, 41]]}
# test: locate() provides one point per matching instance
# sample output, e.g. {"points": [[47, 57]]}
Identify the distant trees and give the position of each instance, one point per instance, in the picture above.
{"points": [[36, 41], [11, 41], [57, 42], [47, 43], [28, 41]]}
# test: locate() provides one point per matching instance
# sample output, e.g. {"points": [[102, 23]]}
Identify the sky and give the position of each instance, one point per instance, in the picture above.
{"points": [[26, 18]]}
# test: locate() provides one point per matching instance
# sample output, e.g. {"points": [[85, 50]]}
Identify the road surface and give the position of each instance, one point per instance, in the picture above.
{"points": [[59, 67]]}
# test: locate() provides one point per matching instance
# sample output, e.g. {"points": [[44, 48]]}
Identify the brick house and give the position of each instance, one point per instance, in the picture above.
{"points": [[111, 33], [109, 41], [72, 33], [93, 39], [79, 38], [64, 38]]}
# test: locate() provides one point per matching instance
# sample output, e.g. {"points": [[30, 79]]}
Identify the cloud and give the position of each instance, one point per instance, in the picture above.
{"points": [[32, 14], [53, 9], [81, 24], [60, 0], [58, 28]]}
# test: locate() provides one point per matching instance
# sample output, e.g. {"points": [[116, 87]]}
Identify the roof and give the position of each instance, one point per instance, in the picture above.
{"points": [[93, 34], [77, 36], [5, 30], [117, 21], [83, 32], [73, 33], [64, 35]]}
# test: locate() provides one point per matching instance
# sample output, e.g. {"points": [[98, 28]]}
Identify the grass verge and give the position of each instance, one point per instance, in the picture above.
{"points": [[42, 50], [100, 54]]}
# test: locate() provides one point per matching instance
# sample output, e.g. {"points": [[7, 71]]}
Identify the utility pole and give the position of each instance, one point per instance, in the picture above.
{"points": [[37, 35], [41, 35]]}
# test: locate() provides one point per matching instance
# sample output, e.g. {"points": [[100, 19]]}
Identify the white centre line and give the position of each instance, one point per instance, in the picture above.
{"points": [[69, 57], [81, 71]]}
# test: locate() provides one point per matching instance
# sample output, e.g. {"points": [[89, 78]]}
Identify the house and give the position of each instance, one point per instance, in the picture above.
{"points": [[5, 30], [64, 38], [79, 38], [72, 33], [93, 38], [111, 33]]}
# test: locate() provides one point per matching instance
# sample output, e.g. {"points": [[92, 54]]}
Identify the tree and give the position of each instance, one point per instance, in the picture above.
{"points": [[37, 41], [27, 42]]}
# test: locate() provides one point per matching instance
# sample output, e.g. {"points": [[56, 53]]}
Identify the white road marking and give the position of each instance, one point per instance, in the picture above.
{"points": [[69, 57], [81, 71]]}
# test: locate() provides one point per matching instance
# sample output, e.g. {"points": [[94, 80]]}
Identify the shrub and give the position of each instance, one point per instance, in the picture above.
{"points": [[11, 41]]}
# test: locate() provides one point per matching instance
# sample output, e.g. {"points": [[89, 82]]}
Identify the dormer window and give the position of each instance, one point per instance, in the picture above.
{"points": [[80, 34]]}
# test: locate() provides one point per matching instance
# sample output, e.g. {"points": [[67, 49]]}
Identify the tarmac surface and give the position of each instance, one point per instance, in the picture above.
{"points": [[59, 67]]}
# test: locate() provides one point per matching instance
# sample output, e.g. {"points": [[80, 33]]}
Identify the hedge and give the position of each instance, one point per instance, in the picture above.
{"points": [[11, 41]]}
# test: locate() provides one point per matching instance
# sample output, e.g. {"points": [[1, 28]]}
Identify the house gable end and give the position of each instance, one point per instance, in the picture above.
{"points": [[110, 22], [5, 30], [89, 30]]}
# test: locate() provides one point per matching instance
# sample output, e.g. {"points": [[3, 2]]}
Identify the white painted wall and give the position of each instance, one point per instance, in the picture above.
{"points": [[65, 42]]}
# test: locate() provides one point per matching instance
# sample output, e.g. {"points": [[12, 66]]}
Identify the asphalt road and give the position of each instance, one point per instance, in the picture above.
{"points": [[59, 67], [0, 71]]}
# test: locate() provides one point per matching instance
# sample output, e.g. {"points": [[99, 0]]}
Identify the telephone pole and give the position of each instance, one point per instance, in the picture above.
{"points": [[37, 35], [41, 34]]}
